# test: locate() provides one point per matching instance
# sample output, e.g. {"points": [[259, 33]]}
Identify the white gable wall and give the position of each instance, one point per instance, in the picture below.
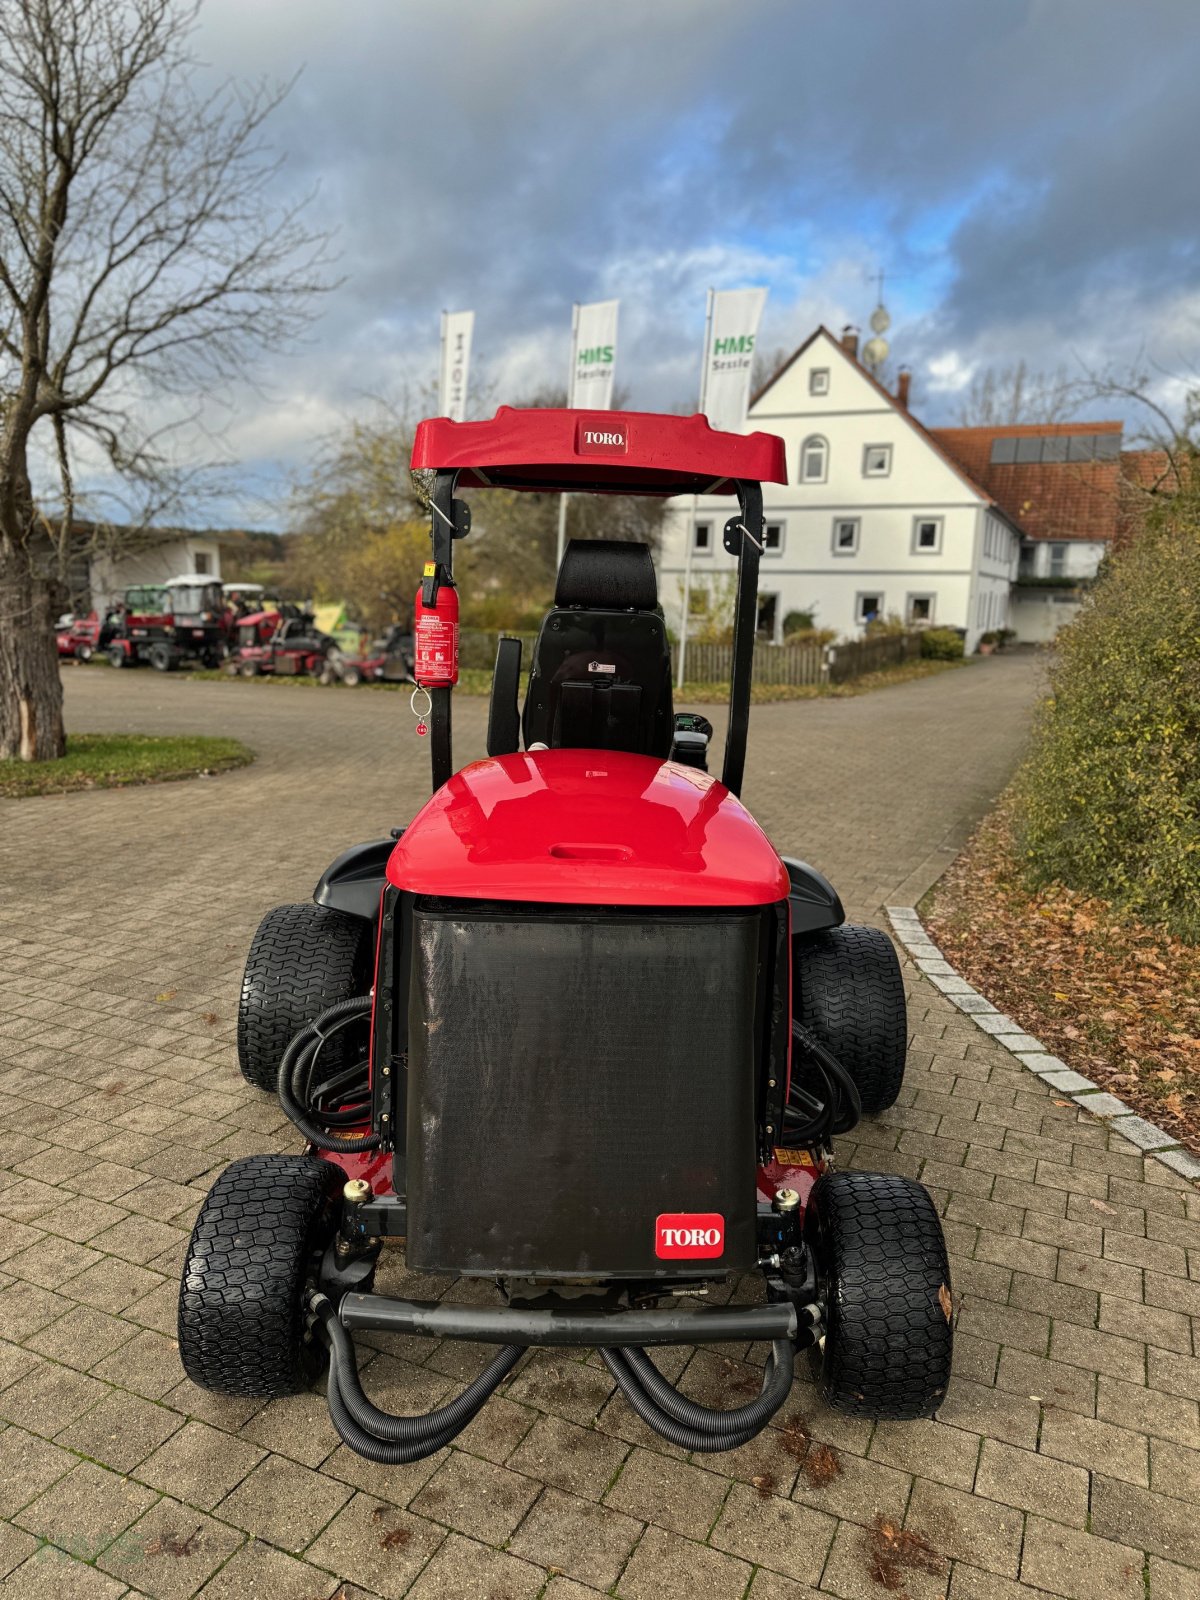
{"points": [[887, 562]]}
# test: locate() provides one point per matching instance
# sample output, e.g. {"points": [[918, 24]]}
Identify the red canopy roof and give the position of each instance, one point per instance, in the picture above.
{"points": [[635, 452]]}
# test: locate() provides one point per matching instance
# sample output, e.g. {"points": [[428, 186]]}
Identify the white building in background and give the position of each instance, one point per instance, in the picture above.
{"points": [[876, 520], [152, 557]]}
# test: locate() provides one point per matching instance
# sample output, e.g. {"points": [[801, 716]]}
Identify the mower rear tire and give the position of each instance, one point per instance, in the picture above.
{"points": [[848, 989], [118, 657], [351, 677], [161, 658], [303, 959], [885, 1287], [250, 669], [255, 1246], [84, 652]]}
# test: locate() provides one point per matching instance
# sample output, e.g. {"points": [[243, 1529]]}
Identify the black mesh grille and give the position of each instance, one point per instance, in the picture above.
{"points": [[572, 1075]]}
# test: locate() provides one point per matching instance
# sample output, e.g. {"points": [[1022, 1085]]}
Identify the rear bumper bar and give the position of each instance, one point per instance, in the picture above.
{"points": [[604, 1328]]}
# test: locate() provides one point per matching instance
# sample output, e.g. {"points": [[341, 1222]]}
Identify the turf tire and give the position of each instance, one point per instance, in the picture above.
{"points": [[256, 1242], [849, 991], [303, 959], [881, 1262]]}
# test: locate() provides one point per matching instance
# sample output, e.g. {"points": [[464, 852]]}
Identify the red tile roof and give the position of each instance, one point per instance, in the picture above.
{"points": [[1048, 499]]}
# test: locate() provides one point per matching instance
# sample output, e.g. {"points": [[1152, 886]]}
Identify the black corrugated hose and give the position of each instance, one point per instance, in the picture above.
{"points": [[812, 1119], [395, 1440], [296, 1068]]}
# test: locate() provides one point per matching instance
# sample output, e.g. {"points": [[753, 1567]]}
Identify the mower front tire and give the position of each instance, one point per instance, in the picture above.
{"points": [[884, 1283], [303, 959], [848, 990], [256, 1244]]}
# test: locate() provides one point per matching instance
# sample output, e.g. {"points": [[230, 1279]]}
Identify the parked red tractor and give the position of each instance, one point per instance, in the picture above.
{"points": [[577, 1033], [385, 660]]}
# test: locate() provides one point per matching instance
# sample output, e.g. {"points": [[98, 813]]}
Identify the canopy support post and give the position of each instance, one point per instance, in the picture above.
{"points": [[744, 539]]}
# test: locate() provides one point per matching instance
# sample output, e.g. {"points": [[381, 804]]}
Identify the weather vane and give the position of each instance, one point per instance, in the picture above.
{"points": [[875, 351]]}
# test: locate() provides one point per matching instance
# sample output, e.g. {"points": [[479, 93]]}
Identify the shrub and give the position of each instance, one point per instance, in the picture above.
{"points": [[1109, 800], [941, 644], [821, 636], [890, 626], [799, 622]]}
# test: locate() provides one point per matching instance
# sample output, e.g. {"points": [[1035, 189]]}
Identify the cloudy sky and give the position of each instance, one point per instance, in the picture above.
{"points": [[1025, 171]]}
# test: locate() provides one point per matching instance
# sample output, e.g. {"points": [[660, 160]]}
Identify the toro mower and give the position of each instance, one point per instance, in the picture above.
{"points": [[577, 1034], [293, 646], [177, 623], [385, 660]]}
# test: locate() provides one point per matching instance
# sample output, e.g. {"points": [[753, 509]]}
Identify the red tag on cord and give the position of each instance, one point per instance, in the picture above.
{"points": [[422, 729]]}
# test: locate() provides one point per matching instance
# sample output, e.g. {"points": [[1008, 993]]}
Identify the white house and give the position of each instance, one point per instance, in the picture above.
{"points": [[876, 520], [151, 558]]}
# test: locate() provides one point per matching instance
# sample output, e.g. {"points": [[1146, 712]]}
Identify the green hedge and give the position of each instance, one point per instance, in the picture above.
{"points": [[1109, 801], [941, 644]]}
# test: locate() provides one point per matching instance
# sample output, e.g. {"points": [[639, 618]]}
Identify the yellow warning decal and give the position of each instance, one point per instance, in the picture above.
{"points": [[795, 1158], [431, 569]]}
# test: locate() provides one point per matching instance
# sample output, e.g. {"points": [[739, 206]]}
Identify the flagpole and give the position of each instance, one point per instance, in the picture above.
{"points": [[562, 499], [691, 531], [442, 368]]}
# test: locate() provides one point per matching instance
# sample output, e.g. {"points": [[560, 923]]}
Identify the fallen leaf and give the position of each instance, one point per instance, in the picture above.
{"points": [[945, 1301], [1099, 1205], [166, 994]]}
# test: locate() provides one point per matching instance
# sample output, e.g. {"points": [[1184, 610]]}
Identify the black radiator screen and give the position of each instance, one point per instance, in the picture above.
{"points": [[573, 1076]]}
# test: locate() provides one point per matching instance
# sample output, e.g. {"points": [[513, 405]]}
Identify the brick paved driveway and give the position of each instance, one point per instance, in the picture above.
{"points": [[1066, 1459]]}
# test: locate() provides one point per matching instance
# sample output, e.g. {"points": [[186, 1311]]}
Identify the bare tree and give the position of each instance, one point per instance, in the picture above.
{"points": [[141, 257], [1008, 396]]}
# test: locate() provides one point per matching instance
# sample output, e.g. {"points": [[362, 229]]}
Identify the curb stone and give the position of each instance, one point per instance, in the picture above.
{"points": [[929, 960]]}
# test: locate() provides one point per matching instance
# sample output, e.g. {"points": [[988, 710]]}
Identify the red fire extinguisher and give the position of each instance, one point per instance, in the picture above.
{"points": [[436, 629]]}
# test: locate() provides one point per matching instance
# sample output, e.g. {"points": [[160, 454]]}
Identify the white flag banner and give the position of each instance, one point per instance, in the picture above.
{"points": [[733, 328], [594, 356], [457, 328]]}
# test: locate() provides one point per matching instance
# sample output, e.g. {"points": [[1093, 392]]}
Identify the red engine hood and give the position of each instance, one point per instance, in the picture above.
{"points": [[588, 827]]}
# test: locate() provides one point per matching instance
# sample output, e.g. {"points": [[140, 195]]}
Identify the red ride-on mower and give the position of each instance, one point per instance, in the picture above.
{"points": [[294, 648], [578, 1032]]}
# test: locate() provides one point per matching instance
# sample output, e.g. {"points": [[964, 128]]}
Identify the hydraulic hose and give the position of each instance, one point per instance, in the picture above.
{"points": [[692, 1426], [381, 1436], [297, 1063], [813, 1119]]}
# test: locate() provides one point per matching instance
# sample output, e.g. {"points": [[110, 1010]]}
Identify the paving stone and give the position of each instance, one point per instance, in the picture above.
{"points": [[681, 1498], [1175, 1470], [476, 1497], [1079, 1566], [931, 1450], [471, 1571], [1169, 1582], [967, 1528], [373, 1544], [1053, 1489], [258, 1571], [170, 1552], [52, 1574], [121, 1431], [199, 1464], [852, 1571], [582, 1539], [579, 1460], [1142, 1133], [28, 1466], [1095, 1444], [48, 1397], [779, 1534], [1157, 1523], [85, 1510], [284, 1503]]}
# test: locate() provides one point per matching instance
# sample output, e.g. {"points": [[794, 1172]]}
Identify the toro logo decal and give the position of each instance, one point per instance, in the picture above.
{"points": [[689, 1235], [601, 437]]}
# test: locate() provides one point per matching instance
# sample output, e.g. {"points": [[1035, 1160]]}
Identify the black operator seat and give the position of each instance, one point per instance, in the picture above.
{"points": [[601, 674]]}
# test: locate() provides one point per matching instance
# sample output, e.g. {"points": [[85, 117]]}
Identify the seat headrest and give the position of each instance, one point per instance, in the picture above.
{"points": [[608, 574]]}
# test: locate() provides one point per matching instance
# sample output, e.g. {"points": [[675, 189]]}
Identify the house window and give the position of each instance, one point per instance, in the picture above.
{"points": [[868, 606], [201, 563], [773, 539], [1058, 560], [920, 609], [1027, 561], [702, 538], [845, 536], [818, 380], [877, 460], [927, 536], [768, 611], [814, 460]]}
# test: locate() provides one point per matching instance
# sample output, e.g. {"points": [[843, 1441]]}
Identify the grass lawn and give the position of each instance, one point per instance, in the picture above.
{"points": [[1114, 998], [112, 760], [478, 681]]}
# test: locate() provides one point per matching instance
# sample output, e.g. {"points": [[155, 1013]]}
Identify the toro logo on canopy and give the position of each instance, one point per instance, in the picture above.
{"points": [[601, 436], [689, 1235]]}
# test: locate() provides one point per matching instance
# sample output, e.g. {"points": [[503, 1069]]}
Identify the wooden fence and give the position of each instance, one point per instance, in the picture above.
{"points": [[773, 663]]}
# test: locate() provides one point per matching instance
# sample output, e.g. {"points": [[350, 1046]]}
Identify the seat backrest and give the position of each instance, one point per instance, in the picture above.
{"points": [[601, 673]]}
